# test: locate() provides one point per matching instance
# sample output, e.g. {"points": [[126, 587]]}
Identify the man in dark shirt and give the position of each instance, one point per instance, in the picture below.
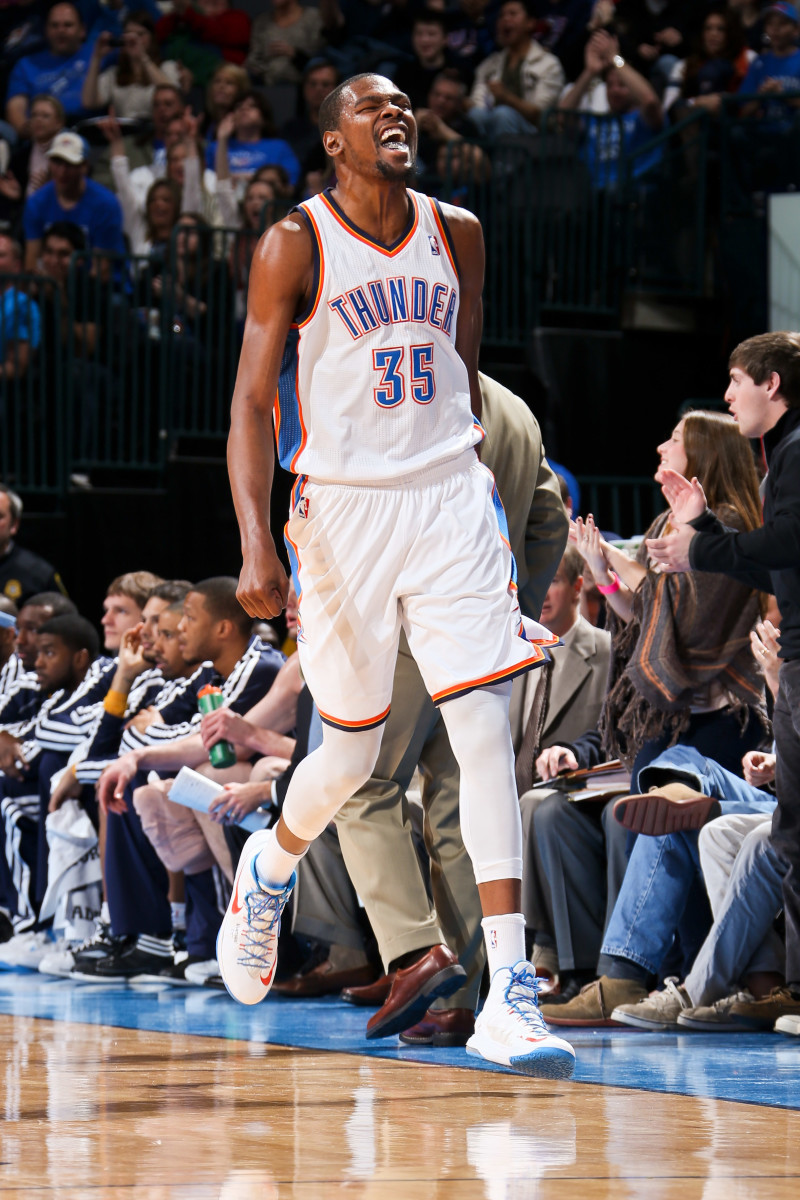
{"points": [[429, 42], [764, 398], [22, 573]]}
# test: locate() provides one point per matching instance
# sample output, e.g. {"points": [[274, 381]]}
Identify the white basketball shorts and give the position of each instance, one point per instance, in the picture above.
{"points": [[428, 554]]}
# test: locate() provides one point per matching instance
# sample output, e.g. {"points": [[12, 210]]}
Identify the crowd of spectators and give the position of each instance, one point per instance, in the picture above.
{"points": [[485, 69], [143, 134], [664, 874], [129, 123]]}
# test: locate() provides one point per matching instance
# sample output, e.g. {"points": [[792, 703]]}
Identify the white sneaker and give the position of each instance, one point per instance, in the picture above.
{"points": [[717, 1017], [25, 951], [788, 1024], [247, 943], [197, 973], [510, 1029]]}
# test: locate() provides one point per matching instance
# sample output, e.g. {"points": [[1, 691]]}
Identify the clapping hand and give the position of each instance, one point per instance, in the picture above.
{"points": [[225, 128], [765, 644], [686, 498], [590, 544]]}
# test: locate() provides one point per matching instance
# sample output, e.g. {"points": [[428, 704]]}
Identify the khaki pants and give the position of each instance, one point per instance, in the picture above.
{"points": [[375, 836]]}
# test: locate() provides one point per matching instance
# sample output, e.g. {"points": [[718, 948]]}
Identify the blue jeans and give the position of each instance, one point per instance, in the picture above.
{"points": [[662, 870]]}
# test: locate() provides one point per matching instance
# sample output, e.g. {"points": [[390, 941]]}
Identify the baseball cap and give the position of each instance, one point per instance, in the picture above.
{"points": [[68, 146], [786, 10]]}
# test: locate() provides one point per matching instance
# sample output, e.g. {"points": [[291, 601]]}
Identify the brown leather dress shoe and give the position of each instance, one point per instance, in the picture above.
{"points": [[323, 981], [437, 973], [372, 995], [441, 1027], [672, 808]]}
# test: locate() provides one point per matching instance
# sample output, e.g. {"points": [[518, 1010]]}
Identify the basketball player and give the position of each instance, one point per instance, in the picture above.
{"points": [[364, 316]]}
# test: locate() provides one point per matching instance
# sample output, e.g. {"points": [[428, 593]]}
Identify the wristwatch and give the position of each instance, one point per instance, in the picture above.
{"points": [[618, 61]]}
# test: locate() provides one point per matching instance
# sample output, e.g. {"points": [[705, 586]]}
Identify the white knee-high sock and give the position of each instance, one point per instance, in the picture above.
{"points": [[328, 777], [480, 735]]}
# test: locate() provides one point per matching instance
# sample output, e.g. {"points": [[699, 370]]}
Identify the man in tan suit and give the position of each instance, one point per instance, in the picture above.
{"points": [[374, 827], [579, 676]]}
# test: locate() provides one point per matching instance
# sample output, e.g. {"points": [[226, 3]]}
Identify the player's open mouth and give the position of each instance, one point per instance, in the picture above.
{"points": [[394, 137]]}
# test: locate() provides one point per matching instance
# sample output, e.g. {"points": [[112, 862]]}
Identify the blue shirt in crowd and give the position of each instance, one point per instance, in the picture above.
{"points": [[786, 68], [245, 158], [98, 213], [605, 139], [54, 74], [20, 320]]}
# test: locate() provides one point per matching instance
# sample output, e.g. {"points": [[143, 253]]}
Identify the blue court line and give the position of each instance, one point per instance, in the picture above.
{"points": [[758, 1068]]}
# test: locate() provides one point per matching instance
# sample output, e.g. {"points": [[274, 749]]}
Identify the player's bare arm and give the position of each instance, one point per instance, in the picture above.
{"points": [[467, 235], [280, 279]]}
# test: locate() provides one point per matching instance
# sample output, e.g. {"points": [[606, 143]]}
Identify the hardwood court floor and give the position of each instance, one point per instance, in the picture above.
{"points": [[92, 1111]]}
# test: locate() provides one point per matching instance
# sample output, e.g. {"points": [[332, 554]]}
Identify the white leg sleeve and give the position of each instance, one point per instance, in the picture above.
{"points": [[480, 735], [330, 775]]}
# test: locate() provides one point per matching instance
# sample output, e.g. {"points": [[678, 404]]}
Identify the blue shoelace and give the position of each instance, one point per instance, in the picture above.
{"points": [[521, 994], [263, 913]]}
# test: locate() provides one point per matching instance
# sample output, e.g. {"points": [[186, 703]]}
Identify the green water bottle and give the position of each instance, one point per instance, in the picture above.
{"points": [[209, 699]]}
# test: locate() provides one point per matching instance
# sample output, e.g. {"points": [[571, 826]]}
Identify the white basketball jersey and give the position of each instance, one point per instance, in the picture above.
{"points": [[371, 387]]}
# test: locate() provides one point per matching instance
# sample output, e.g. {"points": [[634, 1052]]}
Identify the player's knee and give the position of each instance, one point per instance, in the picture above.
{"points": [[353, 756]]}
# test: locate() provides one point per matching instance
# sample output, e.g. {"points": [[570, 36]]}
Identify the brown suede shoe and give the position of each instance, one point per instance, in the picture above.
{"points": [[595, 1003], [372, 995], [323, 981], [672, 808], [762, 1014], [441, 1027], [437, 973]]}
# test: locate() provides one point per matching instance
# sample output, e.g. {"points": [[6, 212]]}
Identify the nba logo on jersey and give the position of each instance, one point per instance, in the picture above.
{"points": [[434, 243], [302, 506]]}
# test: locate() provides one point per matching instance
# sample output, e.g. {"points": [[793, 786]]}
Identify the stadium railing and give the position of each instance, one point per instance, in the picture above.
{"points": [[572, 218], [32, 410]]}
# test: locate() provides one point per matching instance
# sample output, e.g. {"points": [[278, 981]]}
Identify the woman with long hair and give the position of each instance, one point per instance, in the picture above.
{"points": [[715, 68], [682, 679], [226, 86], [129, 85], [681, 642]]}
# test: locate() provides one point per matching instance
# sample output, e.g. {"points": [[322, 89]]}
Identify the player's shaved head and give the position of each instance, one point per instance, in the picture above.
{"points": [[330, 111]]}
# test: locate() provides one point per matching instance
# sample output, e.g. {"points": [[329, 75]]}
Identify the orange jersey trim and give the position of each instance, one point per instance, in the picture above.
{"points": [[360, 237], [369, 723], [321, 279], [460, 689]]}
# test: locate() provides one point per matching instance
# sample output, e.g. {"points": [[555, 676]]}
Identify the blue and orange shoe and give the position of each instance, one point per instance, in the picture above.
{"points": [[247, 942], [510, 1028]]}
